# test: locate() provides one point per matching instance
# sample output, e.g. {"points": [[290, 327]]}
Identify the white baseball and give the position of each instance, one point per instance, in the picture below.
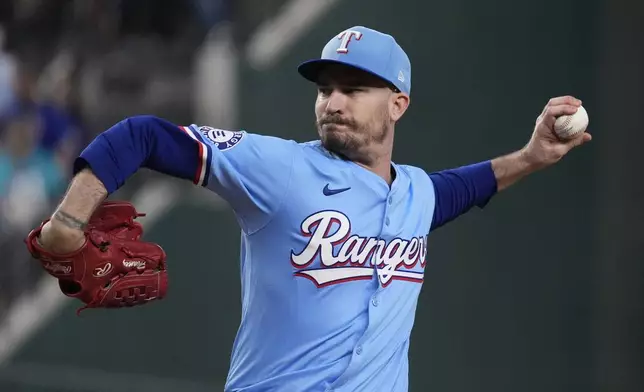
{"points": [[569, 126]]}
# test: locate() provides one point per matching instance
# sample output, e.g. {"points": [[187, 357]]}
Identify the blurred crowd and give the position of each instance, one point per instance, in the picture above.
{"points": [[39, 135], [68, 70]]}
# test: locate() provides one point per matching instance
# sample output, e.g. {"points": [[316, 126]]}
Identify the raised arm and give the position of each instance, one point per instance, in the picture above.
{"points": [[458, 190]]}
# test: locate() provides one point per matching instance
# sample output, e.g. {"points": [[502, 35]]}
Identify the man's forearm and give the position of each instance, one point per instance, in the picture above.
{"points": [[509, 169], [85, 194], [64, 233]]}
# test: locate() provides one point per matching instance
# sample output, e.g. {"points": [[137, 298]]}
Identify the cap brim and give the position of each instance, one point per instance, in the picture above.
{"points": [[311, 69]]}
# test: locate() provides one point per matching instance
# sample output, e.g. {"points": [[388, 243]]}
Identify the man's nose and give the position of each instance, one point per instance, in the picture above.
{"points": [[336, 102]]}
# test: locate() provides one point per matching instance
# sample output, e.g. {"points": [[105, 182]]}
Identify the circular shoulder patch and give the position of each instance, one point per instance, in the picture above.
{"points": [[222, 139]]}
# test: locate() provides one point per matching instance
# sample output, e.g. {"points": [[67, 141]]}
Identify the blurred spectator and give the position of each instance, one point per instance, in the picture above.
{"points": [[7, 77], [31, 181], [59, 132], [30, 177]]}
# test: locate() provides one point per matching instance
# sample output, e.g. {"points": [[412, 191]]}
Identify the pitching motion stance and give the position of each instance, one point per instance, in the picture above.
{"points": [[334, 234]]}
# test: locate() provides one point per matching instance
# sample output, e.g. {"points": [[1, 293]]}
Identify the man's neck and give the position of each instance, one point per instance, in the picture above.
{"points": [[383, 168]]}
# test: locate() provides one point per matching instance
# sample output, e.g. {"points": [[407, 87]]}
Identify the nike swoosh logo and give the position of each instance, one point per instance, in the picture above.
{"points": [[330, 192]]}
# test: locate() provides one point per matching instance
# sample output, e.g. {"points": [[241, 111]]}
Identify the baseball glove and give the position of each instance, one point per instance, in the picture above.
{"points": [[113, 269]]}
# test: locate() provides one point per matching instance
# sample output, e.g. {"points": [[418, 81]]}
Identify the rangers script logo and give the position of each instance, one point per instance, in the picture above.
{"points": [[356, 256]]}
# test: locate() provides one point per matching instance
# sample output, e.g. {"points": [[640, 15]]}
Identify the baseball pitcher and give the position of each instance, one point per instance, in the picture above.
{"points": [[334, 233]]}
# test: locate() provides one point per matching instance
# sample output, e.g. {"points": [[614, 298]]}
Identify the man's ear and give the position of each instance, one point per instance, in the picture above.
{"points": [[398, 105]]}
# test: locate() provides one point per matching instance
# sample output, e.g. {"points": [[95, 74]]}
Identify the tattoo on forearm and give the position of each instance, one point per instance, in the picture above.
{"points": [[81, 200], [69, 220]]}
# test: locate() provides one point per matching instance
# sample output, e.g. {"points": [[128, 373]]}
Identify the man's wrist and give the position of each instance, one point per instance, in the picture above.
{"points": [[62, 218], [60, 239], [509, 169], [528, 162]]}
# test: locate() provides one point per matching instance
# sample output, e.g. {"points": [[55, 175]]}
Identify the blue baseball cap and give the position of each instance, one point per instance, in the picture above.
{"points": [[365, 49]]}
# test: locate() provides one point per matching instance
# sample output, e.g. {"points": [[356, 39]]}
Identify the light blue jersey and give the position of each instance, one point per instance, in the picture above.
{"points": [[332, 262]]}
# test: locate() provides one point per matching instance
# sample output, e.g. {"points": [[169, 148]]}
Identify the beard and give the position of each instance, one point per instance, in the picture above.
{"points": [[350, 139]]}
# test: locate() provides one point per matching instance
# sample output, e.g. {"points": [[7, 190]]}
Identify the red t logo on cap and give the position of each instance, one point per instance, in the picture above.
{"points": [[346, 36]]}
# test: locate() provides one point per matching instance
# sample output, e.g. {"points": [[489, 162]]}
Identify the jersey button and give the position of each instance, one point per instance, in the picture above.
{"points": [[391, 200], [387, 221], [359, 350], [374, 301]]}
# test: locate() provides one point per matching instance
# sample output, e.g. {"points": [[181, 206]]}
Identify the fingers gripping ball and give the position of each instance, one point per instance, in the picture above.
{"points": [[113, 268], [570, 126]]}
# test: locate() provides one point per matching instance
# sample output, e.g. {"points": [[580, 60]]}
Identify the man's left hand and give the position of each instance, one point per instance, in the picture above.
{"points": [[544, 147]]}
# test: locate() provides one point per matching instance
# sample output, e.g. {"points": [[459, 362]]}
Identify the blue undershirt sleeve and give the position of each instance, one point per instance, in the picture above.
{"points": [[458, 190]]}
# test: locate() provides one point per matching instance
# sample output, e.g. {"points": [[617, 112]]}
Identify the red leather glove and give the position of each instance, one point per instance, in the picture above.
{"points": [[113, 268]]}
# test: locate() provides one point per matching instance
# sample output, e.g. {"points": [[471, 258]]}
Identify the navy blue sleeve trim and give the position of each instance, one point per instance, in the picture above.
{"points": [[150, 142], [458, 190]]}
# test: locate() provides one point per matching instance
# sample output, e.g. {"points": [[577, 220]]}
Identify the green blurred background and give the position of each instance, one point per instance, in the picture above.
{"points": [[541, 291]]}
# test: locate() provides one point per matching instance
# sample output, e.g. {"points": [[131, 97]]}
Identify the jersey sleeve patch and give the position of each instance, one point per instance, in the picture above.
{"points": [[222, 139]]}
